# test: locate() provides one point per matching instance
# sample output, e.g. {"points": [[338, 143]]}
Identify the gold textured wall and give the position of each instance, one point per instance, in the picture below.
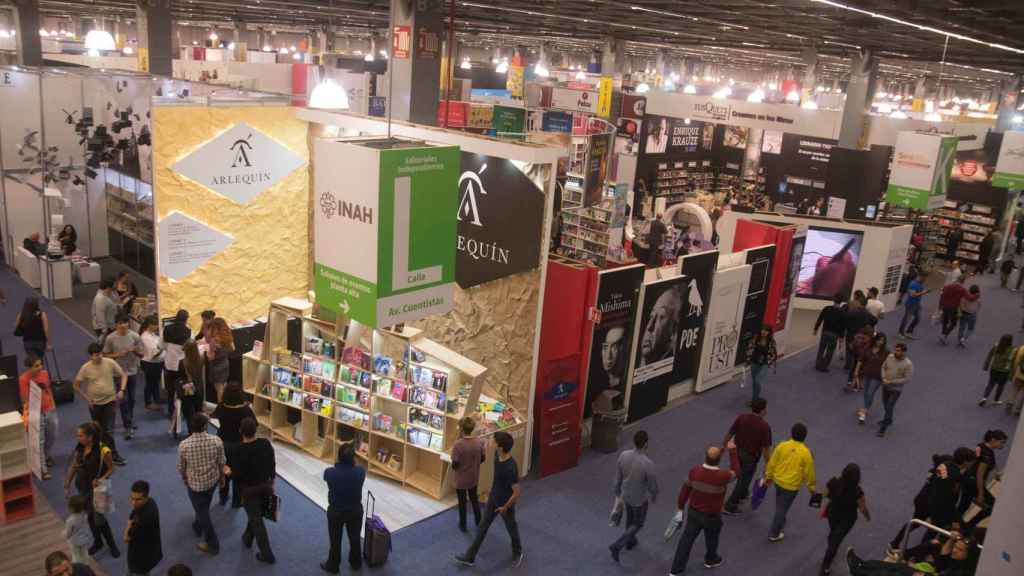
{"points": [[270, 255], [494, 325]]}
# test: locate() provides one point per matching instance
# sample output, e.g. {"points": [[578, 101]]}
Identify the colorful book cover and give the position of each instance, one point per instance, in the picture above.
{"points": [[437, 442]]}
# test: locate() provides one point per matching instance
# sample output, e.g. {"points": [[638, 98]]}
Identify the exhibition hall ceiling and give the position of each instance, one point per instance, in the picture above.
{"points": [[730, 32]]}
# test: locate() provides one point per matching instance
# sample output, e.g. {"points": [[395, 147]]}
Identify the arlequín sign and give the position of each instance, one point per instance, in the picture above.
{"points": [[385, 229]]}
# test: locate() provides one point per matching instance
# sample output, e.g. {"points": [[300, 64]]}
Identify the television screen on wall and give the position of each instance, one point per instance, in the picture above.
{"points": [[829, 265]]}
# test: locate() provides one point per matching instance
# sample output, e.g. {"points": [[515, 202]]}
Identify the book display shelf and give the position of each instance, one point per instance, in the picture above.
{"points": [[16, 491], [396, 395]]}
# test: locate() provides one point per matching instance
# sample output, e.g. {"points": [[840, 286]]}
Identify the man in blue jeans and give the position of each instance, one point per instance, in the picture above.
{"points": [[636, 484], [831, 321], [790, 467], [912, 306], [502, 501], [201, 464]]}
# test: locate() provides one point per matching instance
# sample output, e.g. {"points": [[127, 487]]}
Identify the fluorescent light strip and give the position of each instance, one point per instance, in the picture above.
{"points": [[919, 26]]}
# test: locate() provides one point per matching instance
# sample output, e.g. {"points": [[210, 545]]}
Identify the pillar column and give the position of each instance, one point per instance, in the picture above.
{"points": [[613, 57], [27, 42], [859, 93], [1009, 99], [154, 34], [416, 80]]}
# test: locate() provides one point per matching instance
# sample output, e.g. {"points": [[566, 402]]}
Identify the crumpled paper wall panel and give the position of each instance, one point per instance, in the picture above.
{"points": [[270, 256]]}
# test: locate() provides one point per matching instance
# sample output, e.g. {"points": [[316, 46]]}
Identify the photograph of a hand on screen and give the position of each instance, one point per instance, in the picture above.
{"points": [[829, 265]]}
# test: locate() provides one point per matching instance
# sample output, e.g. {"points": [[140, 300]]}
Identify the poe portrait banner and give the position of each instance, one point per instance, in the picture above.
{"points": [[700, 271], [617, 293], [655, 345], [760, 260]]}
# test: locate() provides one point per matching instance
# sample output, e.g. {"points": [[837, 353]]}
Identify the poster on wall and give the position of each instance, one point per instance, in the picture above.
{"points": [[492, 192], [655, 343], [722, 328], [760, 260], [664, 135], [736, 137], [617, 294], [1009, 171], [771, 143], [699, 270], [921, 168], [597, 168], [633, 106], [509, 120], [186, 244], [574, 100], [829, 263], [796, 255], [556, 121], [385, 230]]}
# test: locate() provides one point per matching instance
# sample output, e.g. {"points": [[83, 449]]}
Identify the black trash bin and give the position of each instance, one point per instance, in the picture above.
{"points": [[605, 429]]}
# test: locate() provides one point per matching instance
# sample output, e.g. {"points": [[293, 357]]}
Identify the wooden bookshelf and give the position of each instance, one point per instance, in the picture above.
{"points": [[17, 494], [393, 393]]}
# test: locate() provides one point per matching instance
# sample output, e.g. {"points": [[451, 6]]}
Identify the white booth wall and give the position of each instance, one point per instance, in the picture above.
{"points": [[883, 251]]}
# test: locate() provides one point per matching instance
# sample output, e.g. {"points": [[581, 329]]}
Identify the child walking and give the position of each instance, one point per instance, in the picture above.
{"points": [[998, 363], [76, 530]]}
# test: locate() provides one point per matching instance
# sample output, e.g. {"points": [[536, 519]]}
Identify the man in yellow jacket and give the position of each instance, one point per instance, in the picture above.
{"points": [[790, 467]]}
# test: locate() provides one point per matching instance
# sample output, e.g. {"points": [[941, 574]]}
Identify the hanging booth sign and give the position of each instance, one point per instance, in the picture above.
{"points": [[555, 121], [604, 97], [575, 100], [722, 328], [655, 344], [760, 260], [187, 244], [616, 305], [699, 270], [428, 44], [764, 115], [597, 168], [401, 42], [6, 79], [921, 167], [239, 164], [633, 106], [493, 192], [509, 120], [514, 81], [385, 230], [1010, 165]]}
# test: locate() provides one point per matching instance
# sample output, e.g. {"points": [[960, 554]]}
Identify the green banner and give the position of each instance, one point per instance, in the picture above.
{"points": [[905, 196], [1008, 180], [509, 120], [345, 293]]}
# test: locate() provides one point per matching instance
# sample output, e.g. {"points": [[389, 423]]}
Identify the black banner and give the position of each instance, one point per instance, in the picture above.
{"points": [[617, 294], [699, 270], [657, 342], [760, 260], [493, 193]]}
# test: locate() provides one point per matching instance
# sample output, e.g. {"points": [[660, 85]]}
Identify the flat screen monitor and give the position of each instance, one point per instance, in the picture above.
{"points": [[830, 261]]}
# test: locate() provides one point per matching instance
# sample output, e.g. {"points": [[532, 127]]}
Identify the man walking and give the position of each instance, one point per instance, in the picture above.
{"points": [[97, 374], [897, 370], [753, 437], [344, 509], [253, 471], [704, 489], [790, 467], [142, 534], [104, 310], [912, 307], [201, 464], [949, 305], [125, 347], [635, 484], [505, 493], [830, 319], [36, 374]]}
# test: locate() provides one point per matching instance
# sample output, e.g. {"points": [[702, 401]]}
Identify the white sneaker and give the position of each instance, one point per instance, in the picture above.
{"points": [[777, 538]]}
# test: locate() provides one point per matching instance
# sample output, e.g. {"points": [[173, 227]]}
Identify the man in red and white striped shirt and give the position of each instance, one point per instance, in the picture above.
{"points": [[704, 489]]}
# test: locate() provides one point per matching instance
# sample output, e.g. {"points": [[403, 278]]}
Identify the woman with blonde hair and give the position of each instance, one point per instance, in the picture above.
{"points": [[220, 344]]}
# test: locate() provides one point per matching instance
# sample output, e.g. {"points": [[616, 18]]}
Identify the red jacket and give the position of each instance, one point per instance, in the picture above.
{"points": [[705, 487], [951, 295]]}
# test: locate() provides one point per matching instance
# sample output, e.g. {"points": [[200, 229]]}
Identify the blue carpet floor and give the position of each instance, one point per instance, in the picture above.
{"points": [[563, 519]]}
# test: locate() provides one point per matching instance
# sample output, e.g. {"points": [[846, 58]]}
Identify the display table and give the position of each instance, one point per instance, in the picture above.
{"points": [[55, 275], [27, 265], [88, 273]]}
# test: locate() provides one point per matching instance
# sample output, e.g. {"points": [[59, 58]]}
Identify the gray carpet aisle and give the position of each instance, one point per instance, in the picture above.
{"points": [[563, 519]]}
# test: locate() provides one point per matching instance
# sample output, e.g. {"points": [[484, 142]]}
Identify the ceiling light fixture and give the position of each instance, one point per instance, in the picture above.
{"points": [[793, 96], [899, 115], [919, 27], [642, 88], [99, 40], [689, 89], [757, 96], [466, 65], [267, 48], [502, 66], [93, 53], [383, 54], [809, 105], [581, 75], [127, 51], [330, 95]]}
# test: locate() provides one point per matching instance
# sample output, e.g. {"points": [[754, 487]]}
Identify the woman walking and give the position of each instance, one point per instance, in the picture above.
{"points": [[762, 354], [845, 499], [230, 412], [998, 364], [221, 344], [868, 374], [860, 342], [189, 388], [91, 467], [152, 363], [33, 326], [969, 306]]}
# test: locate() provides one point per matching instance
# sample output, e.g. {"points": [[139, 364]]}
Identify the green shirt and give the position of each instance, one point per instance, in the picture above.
{"points": [[97, 380]]}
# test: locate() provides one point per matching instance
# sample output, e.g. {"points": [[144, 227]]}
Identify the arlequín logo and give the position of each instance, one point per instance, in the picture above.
{"points": [[240, 163], [468, 209]]}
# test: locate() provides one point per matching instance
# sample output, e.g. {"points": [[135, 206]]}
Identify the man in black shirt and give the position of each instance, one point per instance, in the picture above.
{"points": [[831, 320], [504, 495], [142, 534], [253, 472], [344, 508], [655, 238]]}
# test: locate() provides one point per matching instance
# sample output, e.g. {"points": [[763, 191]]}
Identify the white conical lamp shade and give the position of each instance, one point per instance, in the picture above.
{"points": [[328, 94], [99, 40]]}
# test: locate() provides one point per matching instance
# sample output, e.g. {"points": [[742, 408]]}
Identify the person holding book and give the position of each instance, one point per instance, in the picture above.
{"points": [[36, 374], [505, 492], [467, 455]]}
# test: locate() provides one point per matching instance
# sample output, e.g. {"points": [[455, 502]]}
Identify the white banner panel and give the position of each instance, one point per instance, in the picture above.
{"points": [[785, 117], [722, 330]]}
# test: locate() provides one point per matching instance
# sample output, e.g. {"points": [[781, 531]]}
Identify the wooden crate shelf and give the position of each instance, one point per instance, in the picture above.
{"points": [[17, 495]]}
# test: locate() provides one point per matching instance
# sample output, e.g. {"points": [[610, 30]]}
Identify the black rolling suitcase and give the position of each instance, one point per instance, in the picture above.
{"points": [[63, 390], [377, 538]]}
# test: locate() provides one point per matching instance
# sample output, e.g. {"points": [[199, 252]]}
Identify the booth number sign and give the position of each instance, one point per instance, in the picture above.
{"points": [[6, 79]]}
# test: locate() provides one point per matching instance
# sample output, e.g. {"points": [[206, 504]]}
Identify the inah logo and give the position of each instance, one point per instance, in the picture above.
{"points": [[241, 156], [467, 206], [328, 204]]}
